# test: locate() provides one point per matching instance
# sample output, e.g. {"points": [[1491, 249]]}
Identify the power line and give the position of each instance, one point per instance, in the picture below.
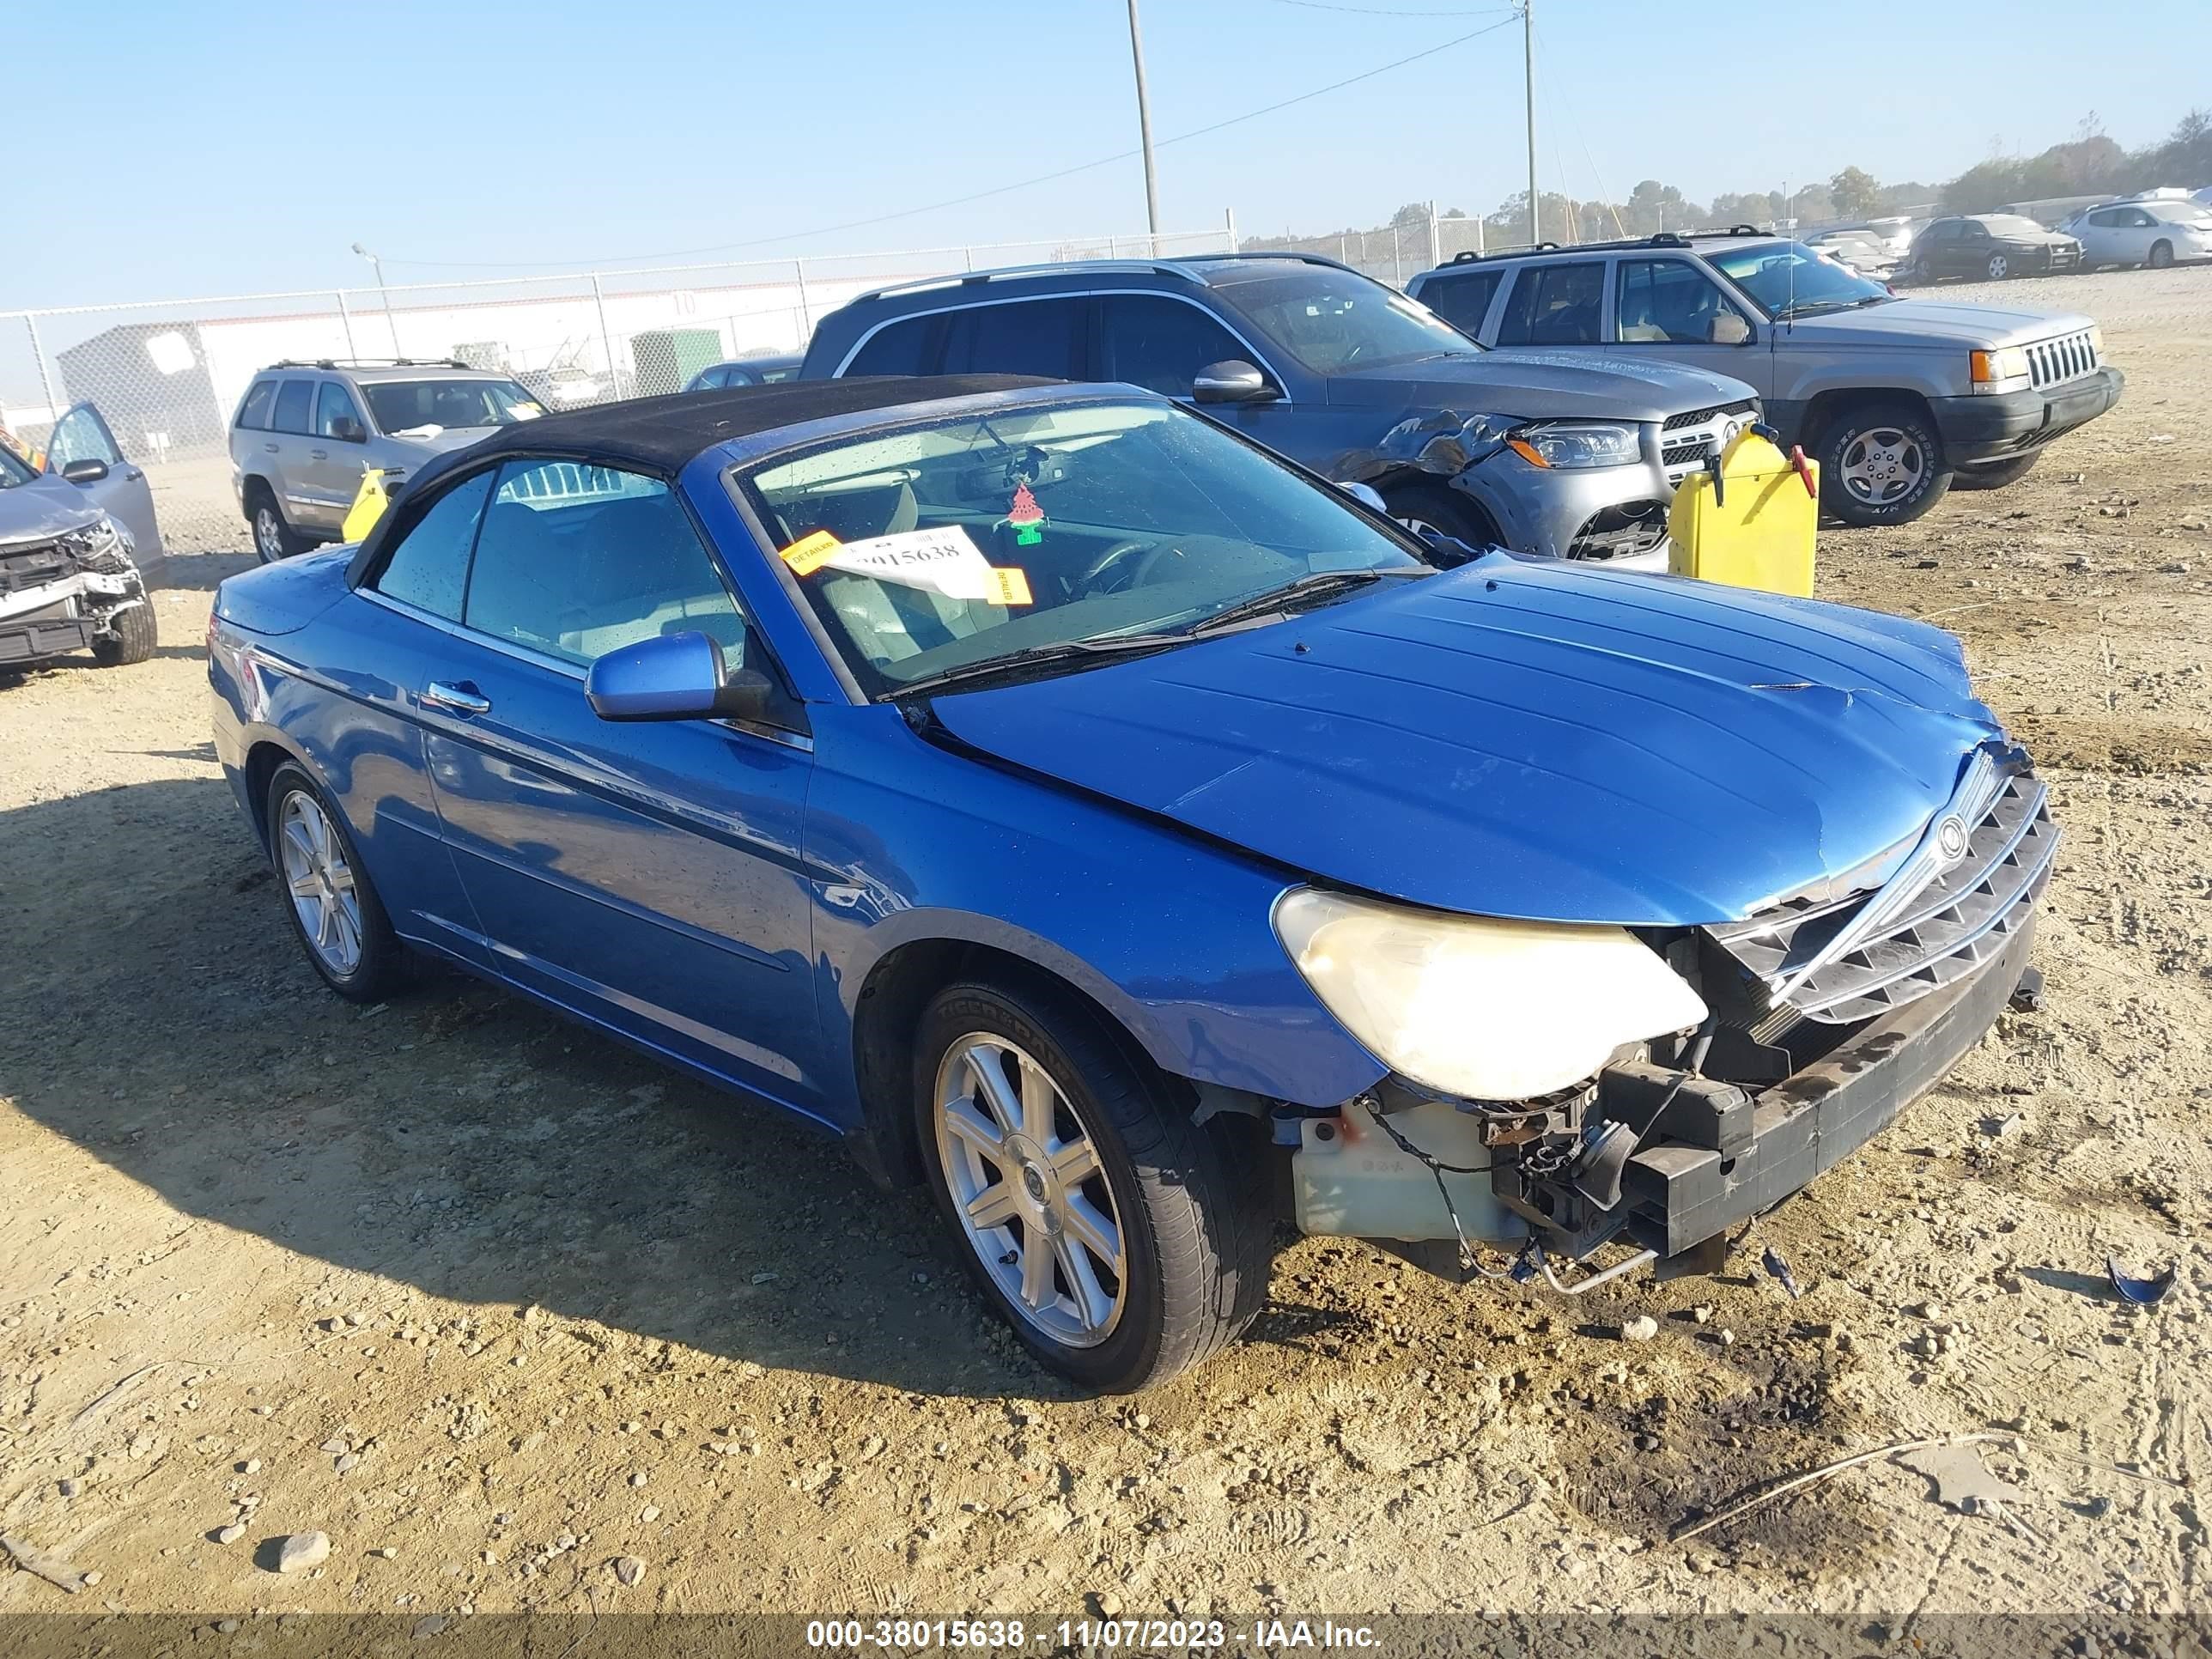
{"points": [[1388, 11], [974, 195]]}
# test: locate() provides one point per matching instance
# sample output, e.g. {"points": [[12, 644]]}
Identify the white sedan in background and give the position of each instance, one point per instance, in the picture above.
{"points": [[2156, 234]]}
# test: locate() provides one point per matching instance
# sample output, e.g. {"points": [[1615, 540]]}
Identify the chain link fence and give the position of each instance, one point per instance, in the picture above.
{"points": [[167, 376]]}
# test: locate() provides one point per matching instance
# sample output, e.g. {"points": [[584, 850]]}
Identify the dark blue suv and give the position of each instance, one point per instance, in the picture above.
{"points": [[1554, 454]]}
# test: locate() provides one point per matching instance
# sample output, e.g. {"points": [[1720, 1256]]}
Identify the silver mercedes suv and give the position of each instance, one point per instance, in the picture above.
{"points": [[1895, 398], [305, 433]]}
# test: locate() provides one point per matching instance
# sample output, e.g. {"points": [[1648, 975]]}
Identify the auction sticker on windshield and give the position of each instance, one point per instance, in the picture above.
{"points": [[943, 560]]}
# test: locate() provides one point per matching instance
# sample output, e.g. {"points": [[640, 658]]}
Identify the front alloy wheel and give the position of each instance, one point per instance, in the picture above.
{"points": [[1030, 1194], [2000, 267], [1881, 464], [1122, 1241]]}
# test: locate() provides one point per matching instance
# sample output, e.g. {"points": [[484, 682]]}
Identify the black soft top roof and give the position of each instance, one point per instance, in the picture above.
{"points": [[664, 433], [661, 434]]}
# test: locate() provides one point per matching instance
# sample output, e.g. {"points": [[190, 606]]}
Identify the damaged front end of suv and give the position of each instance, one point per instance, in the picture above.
{"points": [[70, 590]]}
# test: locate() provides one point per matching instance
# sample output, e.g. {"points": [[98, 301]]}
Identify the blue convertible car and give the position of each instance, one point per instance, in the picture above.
{"points": [[1080, 810]]}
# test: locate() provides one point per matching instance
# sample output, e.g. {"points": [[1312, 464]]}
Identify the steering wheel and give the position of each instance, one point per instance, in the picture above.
{"points": [[1140, 554]]}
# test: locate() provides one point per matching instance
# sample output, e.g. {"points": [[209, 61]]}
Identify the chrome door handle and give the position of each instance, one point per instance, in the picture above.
{"points": [[459, 696], [319, 454], [272, 449]]}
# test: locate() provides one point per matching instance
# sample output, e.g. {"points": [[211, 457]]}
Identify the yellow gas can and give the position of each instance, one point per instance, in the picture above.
{"points": [[1750, 521], [368, 504]]}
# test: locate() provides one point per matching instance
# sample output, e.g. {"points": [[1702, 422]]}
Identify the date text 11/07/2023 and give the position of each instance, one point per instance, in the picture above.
{"points": [[1125, 1635]]}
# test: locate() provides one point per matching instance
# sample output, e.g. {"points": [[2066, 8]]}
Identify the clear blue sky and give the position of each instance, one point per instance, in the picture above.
{"points": [[186, 148]]}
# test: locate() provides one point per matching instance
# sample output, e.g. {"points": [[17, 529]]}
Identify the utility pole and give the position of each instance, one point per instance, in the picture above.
{"points": [[384, 294], [1528, 70], [1145, 132]]}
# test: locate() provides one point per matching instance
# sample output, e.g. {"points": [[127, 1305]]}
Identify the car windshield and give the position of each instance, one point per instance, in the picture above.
{"points": [[1045, 532], [405, 406], [1331, 320], [1788, 279], [13, 468]]}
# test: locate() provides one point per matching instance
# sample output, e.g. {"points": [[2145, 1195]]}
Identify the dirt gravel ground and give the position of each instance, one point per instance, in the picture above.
{"points": [[495, 1304]]}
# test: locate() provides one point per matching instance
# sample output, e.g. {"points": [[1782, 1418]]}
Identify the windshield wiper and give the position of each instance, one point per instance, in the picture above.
{"points": [[1312, 585], [1111, 645]]}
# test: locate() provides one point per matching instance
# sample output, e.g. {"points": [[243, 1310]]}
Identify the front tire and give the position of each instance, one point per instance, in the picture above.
{"points": [[273, 538], [1122, 1241], [1998, 474], [334, 907], [2161, 255], [136, 634], [1434, 507], [1881, 464], [1999, 267]]}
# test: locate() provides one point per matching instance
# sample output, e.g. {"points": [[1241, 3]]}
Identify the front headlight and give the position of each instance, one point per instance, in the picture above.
{"points": [[2004, 369], [1577, 443], [1484, 1010]]}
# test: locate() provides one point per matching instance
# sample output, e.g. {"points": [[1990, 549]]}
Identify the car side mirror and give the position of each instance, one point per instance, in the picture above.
{"points": [[681, 676], [1726, 328], [1367, 496], [1231, 381], [87, 471], [348, 430]]}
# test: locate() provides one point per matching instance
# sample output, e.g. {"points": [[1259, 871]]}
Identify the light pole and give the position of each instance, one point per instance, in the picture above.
{"points": [[383, 295], [1528, 72], [1144, 133]]}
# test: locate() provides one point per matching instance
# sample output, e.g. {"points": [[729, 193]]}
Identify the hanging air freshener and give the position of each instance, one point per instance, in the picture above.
{"points": [[1026, 517]]}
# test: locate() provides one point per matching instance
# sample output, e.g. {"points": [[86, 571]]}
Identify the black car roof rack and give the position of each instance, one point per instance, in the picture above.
{"points": [[1662, 238], [373, 362], [1168, 267]]}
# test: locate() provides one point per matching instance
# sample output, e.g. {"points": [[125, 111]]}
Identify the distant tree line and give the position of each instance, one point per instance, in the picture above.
{"points": [[2088, 163]]}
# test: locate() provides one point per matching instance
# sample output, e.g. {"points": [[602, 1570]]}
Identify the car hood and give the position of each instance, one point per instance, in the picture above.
{"points": [[1535, 385], [1527, 740], [45, 508], [421, 445], [1937, 322]]}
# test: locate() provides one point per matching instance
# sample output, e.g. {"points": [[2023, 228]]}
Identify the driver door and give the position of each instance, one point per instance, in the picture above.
{"points": [[121, 491], [1670, 309]]}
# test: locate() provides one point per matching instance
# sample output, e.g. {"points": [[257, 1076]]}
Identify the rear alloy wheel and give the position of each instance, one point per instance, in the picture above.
{"points": [[1122, 1241], [273, 539], [2161, 255], [1881, 464], [334, 909], [2000, 267]]}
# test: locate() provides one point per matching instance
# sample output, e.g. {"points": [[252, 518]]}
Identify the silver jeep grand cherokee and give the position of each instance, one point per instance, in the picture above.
{"points": [[1895, 398], [305, 434]]}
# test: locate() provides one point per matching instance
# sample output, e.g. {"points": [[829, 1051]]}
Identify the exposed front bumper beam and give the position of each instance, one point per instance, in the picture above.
{"points": [[1776, 1142]]}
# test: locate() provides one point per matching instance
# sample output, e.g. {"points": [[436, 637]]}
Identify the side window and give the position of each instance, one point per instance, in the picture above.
{"points": [[1462, 301], [1554, 304], [579, 561], [1023, 336], [713, 379], [2104, 219], [1972, 231], [1666, 299], [80, 435], [333, 404], [253, 413], [1151, 341], [429, 569], [292, 406], [2137, 219], [895, 350]]}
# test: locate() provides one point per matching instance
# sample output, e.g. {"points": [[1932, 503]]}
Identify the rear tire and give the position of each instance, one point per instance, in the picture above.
{"points": [[1881, 463], [1443, 510], [318, 870], [1997, 475], [2161, 255], [136, 634], [1100, 1148], [274, 538]]}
